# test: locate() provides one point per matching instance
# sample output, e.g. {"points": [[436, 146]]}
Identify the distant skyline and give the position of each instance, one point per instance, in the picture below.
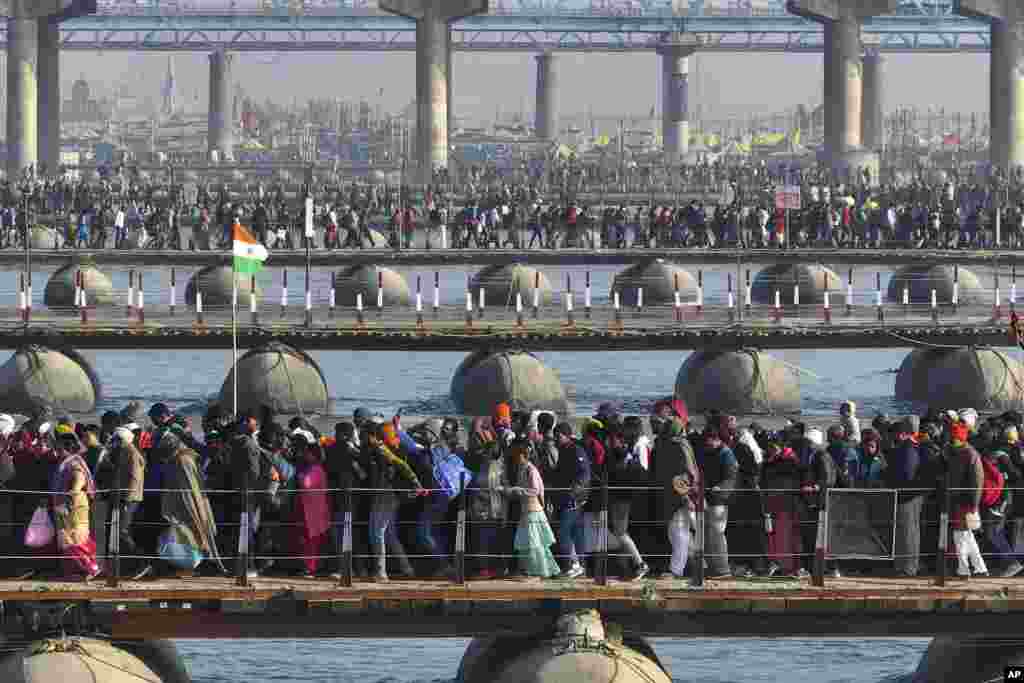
{"points": [[731, 85]]}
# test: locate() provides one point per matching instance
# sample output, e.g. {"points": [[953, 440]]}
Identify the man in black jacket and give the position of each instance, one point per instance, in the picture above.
{"points": [[721, 470], [247, 474], [568, 482]]}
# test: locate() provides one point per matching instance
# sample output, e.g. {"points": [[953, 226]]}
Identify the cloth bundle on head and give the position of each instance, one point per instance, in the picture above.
{"points": [[64, 428], [969, 416], [959, 432], [6, 425], [305, 436], [815, 437], [125, 436], [1010, 434]]}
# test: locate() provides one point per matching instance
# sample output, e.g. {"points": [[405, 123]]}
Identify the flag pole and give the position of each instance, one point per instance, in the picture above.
{"points": [[234, 338]]}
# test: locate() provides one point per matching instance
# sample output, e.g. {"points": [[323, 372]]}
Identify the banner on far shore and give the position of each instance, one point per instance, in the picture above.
{"points": [[861, 524]]}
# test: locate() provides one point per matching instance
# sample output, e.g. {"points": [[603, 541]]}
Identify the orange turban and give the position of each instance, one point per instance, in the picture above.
{"points": [[503, 411]]}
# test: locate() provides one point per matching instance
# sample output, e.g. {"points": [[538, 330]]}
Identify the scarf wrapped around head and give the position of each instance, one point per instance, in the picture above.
{"points": [[391, 439]]}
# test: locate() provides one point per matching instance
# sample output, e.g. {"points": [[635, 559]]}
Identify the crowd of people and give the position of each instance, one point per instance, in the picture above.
{"points": [[944, 211], [534, 490]]}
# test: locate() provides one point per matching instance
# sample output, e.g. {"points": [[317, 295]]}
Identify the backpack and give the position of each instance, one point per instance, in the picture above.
{"points": [[992, 489], [449, 472]]}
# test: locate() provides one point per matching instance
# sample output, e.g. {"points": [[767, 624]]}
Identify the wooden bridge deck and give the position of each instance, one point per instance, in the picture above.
{"points": [[313, 608]]}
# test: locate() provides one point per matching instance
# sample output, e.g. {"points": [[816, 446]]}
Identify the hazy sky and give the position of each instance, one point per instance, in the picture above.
{"points": [[610, 84]]}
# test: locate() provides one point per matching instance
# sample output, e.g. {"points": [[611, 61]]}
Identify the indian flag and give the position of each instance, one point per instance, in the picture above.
{"points": [[249, 254]]}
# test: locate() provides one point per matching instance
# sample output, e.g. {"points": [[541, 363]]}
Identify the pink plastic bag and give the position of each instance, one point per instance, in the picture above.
{"points": [[40, 531]]}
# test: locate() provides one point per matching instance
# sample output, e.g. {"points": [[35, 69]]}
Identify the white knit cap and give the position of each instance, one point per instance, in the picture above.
{"points": [[6, 425], [124, 435]]}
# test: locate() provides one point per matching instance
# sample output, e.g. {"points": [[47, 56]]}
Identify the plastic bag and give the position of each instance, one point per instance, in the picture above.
{"points": [[40, 532], [173, 551]]}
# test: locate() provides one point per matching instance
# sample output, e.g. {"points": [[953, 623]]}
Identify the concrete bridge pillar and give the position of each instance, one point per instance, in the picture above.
{"points": [[1006, 74], [547, 115], [433, 59], [872, 112], [675, 114], [843, 75], [22, 96], [220, 133], [48, 121]]}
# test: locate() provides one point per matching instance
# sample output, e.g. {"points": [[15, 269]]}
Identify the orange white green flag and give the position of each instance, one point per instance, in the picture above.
{"points": [[249, 254]]}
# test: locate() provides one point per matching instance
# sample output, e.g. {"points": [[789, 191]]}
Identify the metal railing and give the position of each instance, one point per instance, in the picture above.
{"points": [[774, 530]]}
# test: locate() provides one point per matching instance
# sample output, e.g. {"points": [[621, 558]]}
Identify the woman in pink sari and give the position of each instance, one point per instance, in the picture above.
{"points": [[312, 506], [74, 491]]}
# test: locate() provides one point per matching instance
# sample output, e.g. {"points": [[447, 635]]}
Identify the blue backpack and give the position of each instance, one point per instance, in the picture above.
{"points": [[449, 471]]}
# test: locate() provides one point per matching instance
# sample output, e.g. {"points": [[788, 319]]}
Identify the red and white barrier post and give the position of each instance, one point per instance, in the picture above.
{"points": [[586, 297], [419, 301], [849, 292], [437, 294], [878, 297], [131, 293], [732, 302], [284, 292], [536, 295], [380, 294], [142, 302], [173, 293], [253, 306], [700, 292], [569, 320], [827, 302]]}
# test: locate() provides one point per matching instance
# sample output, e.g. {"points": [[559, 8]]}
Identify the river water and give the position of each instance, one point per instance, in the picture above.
{"points": [[418, 383]]}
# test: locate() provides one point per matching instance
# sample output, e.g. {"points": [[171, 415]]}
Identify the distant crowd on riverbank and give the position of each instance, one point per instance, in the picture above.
{"points": [[535, 492]]}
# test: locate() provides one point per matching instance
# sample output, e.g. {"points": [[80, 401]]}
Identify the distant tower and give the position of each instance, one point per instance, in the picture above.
{"points": [[169, 105]]}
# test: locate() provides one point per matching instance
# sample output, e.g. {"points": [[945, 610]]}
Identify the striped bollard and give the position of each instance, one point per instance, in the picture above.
{"points": [[419, 302], [437, 294], [935, 307], [849, 292], [617, 322], [469, 303], [131, 293], [253, 308], [199, 306], [334, 296], [28, 297], [796, 298], [731, 299], [586, 296], [380, 294], [997, 308], [1013, 288], [78, 289], [569, 320], [878, 297], [639, 298], [828, 303], [956, 288], [309, 303], [906, 299], [141, 308], [22, 306], [777, 310], [481, 302], [173, 294], [677, 300], [700, 292], [519, 309], [748, 293], [83, 304], [359, 310], [536, 295], [284, 292]]}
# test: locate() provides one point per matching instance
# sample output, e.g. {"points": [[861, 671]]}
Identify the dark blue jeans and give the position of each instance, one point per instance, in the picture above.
{"points": [[570, 535]]}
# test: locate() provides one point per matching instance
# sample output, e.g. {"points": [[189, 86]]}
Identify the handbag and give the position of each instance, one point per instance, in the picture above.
{"points": [[40, 532]]}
